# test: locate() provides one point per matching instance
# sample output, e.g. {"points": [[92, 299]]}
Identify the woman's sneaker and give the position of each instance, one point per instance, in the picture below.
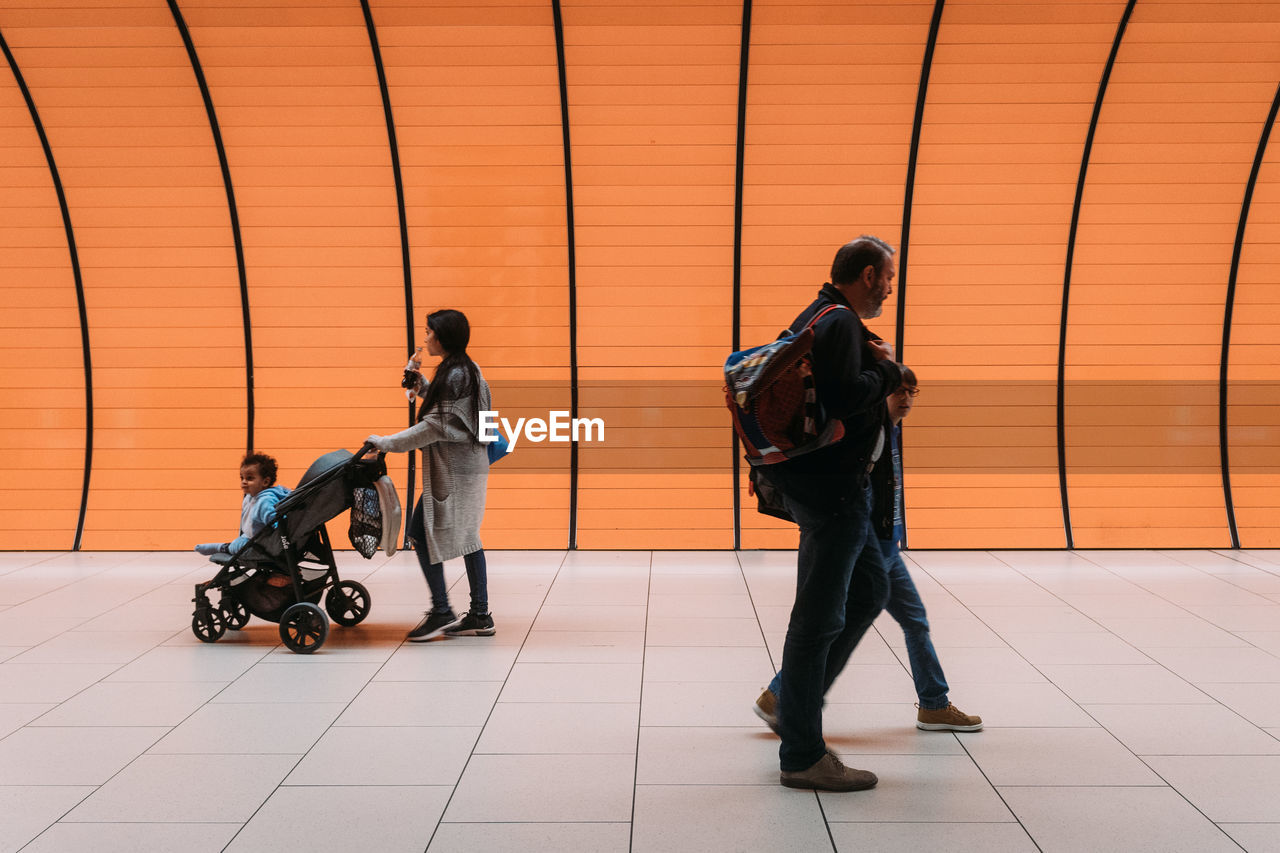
{"points": [[472, 624], [432, 626]]}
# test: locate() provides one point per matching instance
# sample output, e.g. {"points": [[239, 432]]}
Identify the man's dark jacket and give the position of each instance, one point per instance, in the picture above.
{"points": [[851, 385]]}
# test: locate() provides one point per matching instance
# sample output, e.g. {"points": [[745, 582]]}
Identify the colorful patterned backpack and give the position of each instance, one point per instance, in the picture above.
{"points": [[770, 393]]}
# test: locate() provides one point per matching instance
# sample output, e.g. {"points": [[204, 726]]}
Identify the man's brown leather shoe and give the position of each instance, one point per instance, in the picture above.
{"points": [[830, 774]]}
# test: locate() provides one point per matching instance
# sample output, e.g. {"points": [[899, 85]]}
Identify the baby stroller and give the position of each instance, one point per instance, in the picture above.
{"points": [[281, 574]]}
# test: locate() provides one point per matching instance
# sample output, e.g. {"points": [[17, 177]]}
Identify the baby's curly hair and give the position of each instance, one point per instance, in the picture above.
{"points": [[267, 466]]}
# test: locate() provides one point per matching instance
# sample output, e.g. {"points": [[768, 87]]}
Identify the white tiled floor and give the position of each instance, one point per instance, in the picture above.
{"points": [[1132, 702]]}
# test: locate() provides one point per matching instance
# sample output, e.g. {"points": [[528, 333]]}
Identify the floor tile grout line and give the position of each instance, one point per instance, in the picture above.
{"points": [[644, 655], [1143, 652], [268, 658], [1104, 728], [1163, 598], [136, 558], [307, 752], [993, 630], [51, 555], [1109, 632], [996, 791], [960, 740], [1200, 570], [1103, 628], [72, 583], [1234, 556], [516, 659], [1020, 655], [826, 822], [125, 766], [327, 729], [1235, 634], [1184, 797], [764, 638], [1152, 786], [118, 668]]}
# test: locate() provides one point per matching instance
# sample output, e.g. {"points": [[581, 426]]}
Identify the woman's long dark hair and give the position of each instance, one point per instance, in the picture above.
{"points": [[454, 333]]}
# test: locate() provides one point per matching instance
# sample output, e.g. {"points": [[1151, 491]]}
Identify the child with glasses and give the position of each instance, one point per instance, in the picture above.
{"points": [[935, 711]]}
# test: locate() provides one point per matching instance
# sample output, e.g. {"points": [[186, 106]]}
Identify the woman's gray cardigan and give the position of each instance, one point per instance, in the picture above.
{"points": [[455, 469]]}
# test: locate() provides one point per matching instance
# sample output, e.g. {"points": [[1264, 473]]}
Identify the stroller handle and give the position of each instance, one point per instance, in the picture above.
{"points": [[324, 475]]}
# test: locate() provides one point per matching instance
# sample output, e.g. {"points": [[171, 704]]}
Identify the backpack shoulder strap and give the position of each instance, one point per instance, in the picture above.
{"points": [[823, 313]]}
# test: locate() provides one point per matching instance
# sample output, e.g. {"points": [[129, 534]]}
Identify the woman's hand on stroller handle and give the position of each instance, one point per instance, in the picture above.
{"points": [[370, 443]]}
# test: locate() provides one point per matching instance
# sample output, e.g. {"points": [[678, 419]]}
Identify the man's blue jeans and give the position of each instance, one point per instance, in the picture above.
{"points": [[841, 587], [907, 610]]}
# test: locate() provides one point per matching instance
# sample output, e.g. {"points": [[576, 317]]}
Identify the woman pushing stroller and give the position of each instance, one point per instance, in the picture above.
{"points": [[455, 472]]}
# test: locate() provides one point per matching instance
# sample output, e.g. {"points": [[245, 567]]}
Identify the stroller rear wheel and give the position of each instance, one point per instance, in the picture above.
{"points": [[234, 613], [303, 628], [207, 624], [347, 603]]}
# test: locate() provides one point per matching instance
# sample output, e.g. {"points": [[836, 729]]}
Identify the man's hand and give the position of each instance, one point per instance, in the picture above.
{"points": [[881, 350]]}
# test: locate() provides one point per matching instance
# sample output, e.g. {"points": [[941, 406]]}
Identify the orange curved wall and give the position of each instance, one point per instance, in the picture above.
{"points": [[652, 93], [42, 413], [983, 318], [638, 323], [1172, 155], [831, 99], [477, 108], [1253, 388], [307, 150], [128, 130]]}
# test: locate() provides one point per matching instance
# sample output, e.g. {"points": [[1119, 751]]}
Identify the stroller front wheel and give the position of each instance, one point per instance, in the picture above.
{"points": [[347, 603], [234, 613], [207, 624], [303, 628]]}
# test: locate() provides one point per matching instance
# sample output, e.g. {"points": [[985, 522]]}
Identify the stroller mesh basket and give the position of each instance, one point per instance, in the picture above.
{"points": [[365, 531]]}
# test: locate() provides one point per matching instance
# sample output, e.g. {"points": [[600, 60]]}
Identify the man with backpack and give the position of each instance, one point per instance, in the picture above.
{"points": [[841, 583]]}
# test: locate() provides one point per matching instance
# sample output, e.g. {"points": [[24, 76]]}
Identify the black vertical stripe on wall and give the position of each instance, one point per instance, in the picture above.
{"points": [[926, 66], [235, 217], [922, 92], [737, 247], [573, 272], [410, 323], [1066, 279], [79, 282], [1226, 320]]}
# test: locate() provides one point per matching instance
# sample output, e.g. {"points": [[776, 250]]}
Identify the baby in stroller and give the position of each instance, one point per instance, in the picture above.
{"points": [[283, 563], [258, 473]]}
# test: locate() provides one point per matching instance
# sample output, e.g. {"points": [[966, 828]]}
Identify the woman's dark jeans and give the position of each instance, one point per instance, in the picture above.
{"points": [[477, 570]]}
